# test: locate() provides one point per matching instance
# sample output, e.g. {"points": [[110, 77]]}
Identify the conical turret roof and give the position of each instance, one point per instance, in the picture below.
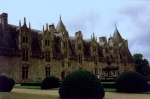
{"points": [[60, 26], [117, 37]]}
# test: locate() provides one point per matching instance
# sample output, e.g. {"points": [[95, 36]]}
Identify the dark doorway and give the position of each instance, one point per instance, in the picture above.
{"points": [[62, 75]]}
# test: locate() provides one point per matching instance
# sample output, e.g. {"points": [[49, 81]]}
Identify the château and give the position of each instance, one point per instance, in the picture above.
{"points": [[27, 54]]}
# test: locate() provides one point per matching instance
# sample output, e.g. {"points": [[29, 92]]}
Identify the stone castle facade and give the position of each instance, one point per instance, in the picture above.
{"points": [[31, 55]]}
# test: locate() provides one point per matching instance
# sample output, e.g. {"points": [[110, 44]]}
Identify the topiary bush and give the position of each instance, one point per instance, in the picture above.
{"points": [[50, 82], [131, 82], [12, 81], [81, 84], [5, 84]]}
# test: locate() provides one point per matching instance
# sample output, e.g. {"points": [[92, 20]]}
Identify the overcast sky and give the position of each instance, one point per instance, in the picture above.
{"points": [[132, 18]]}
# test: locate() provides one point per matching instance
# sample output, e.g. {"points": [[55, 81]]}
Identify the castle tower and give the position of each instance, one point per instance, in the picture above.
{"points": [[60, 26], [117, 37]]}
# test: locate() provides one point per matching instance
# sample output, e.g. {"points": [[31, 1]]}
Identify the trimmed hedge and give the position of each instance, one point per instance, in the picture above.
{"points": [[6, 84], [81, 84], [50, 82], [108, 84], [131, 82], [31, 84], [12, 81]]}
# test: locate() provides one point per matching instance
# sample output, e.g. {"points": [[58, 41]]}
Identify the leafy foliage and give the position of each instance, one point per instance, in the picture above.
{"points": [[50, 82], [31, 84], [6, 84], [141, 65], [131, 82], [12, 81], [81, 84]]}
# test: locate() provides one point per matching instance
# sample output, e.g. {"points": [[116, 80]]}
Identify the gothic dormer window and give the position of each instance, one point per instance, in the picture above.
{"points": [[25, 40], [94, 48], [47, 42], [79, 47], [65, 45]]}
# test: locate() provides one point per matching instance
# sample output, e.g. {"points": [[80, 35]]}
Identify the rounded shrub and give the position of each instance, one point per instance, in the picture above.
{"points": [[81, 84], [50, 82], [5, 84], [131, 82], [12, 81]]}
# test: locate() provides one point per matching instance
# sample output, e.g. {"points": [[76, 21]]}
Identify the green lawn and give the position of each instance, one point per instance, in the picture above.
{"points": [[33, 87], [28, 87], [12, 95]]}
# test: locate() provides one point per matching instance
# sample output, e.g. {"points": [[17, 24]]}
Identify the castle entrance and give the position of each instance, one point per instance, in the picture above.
{"points": [[62, 75]]}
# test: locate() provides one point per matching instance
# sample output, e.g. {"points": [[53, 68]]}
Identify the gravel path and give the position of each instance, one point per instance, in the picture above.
{"points": [[108, 95]]}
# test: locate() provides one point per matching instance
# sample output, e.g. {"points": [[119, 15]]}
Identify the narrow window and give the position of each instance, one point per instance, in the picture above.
{"points": [[95, 60], [65, 45], [25, 72], [47, 71], [25, 54], [25, 39], [65, 54], [80, 58], [94, 49], [62, 64], [68, 64], [47, 42], [96, 71], [47, 56]]}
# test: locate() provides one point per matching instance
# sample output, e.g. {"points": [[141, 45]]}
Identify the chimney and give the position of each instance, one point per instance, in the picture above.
{"points": [[4, 20]]}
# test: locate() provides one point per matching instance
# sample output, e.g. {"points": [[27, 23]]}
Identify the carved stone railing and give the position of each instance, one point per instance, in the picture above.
{"points": [[57, 56], [37, 54], [73, 57], [88, 58], [102, 59]]}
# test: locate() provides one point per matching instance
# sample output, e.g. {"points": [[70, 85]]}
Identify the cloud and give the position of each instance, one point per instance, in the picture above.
{"points": [[85, 22], [138, 18]]}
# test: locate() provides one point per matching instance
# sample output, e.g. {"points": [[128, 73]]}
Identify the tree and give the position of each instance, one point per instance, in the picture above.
{"points": [[137, 56], [141, 65]]}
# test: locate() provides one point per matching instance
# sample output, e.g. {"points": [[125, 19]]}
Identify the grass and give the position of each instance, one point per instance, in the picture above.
{"points": [[110, 89], [33, 87], [108, 82], [12, 95], [28, 87]]}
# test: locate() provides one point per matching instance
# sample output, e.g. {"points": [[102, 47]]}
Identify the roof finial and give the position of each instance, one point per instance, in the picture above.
{"points": [[115, 25], [96, 38], [19, 23], [29, 26], [60, 17], [24, 20], [46, 26], [43, 28], [93, 36]]}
